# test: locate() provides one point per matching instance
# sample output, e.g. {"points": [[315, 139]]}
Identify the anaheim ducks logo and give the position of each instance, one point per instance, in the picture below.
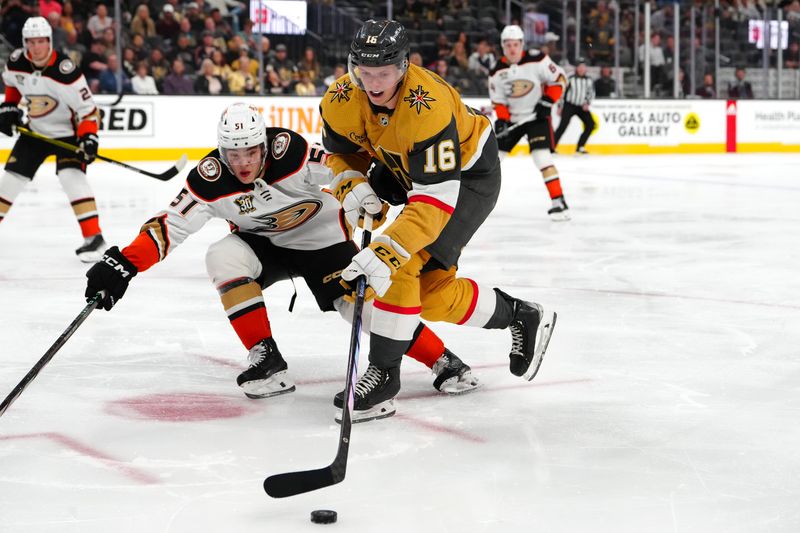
{"points": [[41, 105], [519, 88], [289, 217], [209, 169]]}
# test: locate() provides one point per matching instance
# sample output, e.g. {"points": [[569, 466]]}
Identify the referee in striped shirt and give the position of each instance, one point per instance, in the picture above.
{"points": [[578, 96]]}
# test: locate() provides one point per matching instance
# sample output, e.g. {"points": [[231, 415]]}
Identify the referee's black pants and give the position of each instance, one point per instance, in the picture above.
{"points": [[569, 111]]}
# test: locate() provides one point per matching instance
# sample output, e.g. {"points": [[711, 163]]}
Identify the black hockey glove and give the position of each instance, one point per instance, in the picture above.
{"points": [[87, 147], [543, 108], [500, 127], [10, 116], [112, 275]]}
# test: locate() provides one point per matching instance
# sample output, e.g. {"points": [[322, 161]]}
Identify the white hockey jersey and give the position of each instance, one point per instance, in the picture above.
{"points": [[515, 89], [287, 205], [59, 102]]}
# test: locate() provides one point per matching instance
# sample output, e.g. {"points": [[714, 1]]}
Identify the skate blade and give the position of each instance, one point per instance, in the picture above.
{"points": [[382, 410], [455, 386], [277, 384], [543, 335], [90, 257], [562, 216]]}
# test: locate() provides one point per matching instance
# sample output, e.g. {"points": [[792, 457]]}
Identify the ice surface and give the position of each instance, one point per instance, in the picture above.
{"points": [[669, 399]]}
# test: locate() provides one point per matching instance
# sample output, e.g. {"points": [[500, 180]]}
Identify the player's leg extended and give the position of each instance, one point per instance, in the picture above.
{"points": [[72, 175], [24, 160], [543, 159], [235, 268], [463, 301]]}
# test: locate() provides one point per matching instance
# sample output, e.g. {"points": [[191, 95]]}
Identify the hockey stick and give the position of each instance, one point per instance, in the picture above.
{"points": [[33, 372], [170, 173], [292, 483]]}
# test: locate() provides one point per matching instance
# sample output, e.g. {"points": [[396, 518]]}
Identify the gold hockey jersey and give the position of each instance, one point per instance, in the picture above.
{"points": [[427, 141]]}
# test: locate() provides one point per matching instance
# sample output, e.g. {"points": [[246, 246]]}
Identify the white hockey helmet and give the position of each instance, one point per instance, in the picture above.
{"points": [[37, 27], [512, 32], [241, 126]]}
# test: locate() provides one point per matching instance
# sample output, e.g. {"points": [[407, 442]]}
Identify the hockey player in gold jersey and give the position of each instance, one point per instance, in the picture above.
{"points": [[426, 149]]}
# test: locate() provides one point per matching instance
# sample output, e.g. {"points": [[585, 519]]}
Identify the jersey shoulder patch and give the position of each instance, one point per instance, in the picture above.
{"points": [[502, 64], [63, 70], [211, 179], [287, 154], [533, 56]]}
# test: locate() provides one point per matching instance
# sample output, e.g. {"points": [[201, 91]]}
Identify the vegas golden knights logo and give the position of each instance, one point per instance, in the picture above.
{"points": [[245, 204], [394, 162]]}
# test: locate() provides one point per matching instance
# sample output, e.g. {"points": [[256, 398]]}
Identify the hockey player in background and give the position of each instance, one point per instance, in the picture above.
{"points": [[266, 182], [61, 106], [440, 159], [523, 87]]}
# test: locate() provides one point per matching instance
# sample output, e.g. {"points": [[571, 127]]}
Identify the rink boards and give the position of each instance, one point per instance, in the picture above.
{"points": [[152, 128]]}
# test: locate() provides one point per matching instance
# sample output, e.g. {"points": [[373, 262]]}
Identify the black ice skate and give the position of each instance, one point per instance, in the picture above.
{"points": [[453, 376], [92, 249], [559, 212], [267, 373], [374, 395], [531, 328]]}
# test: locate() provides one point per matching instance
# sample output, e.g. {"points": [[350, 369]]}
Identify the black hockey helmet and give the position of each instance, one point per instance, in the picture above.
{"points": [[378, 43]]}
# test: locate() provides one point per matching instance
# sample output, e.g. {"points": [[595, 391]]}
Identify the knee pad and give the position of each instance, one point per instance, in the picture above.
{"points": [[542, 158], [11, 184], [231, 258], [75, 184], [345, 309]]}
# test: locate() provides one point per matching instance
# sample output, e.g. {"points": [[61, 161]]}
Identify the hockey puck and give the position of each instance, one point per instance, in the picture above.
{"points": [[323, 516]]}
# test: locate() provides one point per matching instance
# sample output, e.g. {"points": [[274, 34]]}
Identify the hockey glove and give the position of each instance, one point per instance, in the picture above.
{"points": [[357, 198], [501, 127], [87, 148], [377, 263], [112, 275], [385, 184], [10, 116], [543, 108]]}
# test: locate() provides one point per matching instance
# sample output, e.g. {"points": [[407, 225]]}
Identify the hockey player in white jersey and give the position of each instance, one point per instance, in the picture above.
{"points": [[523, 87], [61, 106], [267, 184]]}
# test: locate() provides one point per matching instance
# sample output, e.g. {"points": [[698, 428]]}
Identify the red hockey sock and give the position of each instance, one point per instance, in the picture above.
{"points": [[426, 347]]}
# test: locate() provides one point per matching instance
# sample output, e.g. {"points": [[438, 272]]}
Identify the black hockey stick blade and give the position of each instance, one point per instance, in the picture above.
{"points": [[293, 483], [33, 372]]}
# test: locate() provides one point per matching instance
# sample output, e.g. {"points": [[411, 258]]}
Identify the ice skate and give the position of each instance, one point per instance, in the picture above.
{"points": [[580, 150], [453, 376], [559, 212], [531, 329], [92, 249], [374, 395], [267, 374]]}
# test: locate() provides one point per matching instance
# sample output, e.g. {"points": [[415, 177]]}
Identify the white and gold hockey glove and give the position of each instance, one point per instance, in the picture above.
{"points": [[382, 258]]}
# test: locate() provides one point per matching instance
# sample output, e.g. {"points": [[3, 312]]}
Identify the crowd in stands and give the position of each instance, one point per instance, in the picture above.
{"points": [[209, 47]]}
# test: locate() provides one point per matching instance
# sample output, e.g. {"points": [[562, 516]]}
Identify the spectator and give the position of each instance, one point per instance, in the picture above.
{"points": [[482, 60], [205, 50], [600, 40], [59, 38], [657, 62], [177, 82], [139, 47], [338, 71], [221, 67], [266, 50], [109, 39], [605, 86], [220, 23], [49, 6], [142, 23], [159, 67], [168, 26], [458, 57], [284, 66], [442, 68], [229, 9], [195, 16], [99, 21], [741, 88], [252, 65], [707, 90], [305, 87], [186, 30], [109, 77], [241, 81], [184, 52], [792, 57], [310, 64], [415, 58], [129, 61], [684, 88], [94, 62], [67, 21], [273, 83], [207, 82], [73, 48]]}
